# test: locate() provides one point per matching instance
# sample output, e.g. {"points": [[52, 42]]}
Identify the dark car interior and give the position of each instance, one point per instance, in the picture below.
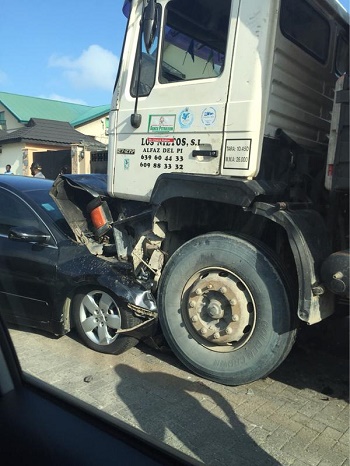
{"points": [[42, 425]]}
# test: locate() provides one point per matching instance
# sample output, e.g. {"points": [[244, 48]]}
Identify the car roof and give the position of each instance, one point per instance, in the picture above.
{"points": [[25, 183]]}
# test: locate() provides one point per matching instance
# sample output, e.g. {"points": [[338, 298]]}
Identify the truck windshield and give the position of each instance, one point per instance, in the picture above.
{"points": [[193, 46], [194, 40]]}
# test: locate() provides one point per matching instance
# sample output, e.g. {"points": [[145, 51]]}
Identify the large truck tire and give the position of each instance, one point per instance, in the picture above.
{"points": [[224, 309]]}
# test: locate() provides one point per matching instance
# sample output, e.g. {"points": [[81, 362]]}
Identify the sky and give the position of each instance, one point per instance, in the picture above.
{"points": [[65, 50]]}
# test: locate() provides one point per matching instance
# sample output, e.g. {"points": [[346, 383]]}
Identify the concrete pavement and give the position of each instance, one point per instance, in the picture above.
{"points": [[298, 416]]}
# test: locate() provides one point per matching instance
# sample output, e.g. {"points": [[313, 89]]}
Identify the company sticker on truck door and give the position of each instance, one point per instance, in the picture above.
{"points": [[237, 154], [161, 124]]}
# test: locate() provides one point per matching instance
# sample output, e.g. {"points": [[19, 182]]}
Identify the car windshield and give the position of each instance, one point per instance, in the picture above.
{"points": [[45, 201]]}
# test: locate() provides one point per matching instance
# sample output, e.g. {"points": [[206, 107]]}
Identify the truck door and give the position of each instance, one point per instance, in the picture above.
{"points": [[181, 89]]}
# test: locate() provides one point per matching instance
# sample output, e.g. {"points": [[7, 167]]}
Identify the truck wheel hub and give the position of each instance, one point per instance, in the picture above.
{"points": [[219, 308]]}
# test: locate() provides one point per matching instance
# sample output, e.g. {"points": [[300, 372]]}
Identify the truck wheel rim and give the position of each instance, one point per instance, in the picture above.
{"points": [[218, 309]]}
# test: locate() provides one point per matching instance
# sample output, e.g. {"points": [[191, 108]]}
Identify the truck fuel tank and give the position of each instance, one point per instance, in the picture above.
{"points": [[335, 272]]}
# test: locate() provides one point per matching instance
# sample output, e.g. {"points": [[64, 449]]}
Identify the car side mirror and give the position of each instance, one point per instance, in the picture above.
{"points": [[28, 235]]}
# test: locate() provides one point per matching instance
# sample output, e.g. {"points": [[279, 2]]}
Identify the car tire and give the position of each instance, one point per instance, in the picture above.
{"points": [[97, 317], [224, 308]]}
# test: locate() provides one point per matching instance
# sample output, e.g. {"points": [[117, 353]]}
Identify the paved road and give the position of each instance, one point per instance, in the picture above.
{"points": [[298, 416]]}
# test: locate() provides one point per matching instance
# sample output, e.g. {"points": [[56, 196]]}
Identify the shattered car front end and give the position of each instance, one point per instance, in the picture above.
{"points": [[92, 215]]}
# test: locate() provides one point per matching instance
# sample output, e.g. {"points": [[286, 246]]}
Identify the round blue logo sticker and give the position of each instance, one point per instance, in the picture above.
{"points": [[186, 118], [208, 116]]}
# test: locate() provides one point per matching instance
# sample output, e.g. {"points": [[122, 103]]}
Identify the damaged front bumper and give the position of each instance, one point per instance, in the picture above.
{"points": [[132, 295], [144, 307]]}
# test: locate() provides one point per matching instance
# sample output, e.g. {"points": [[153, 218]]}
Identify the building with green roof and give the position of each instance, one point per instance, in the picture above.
{"points": [[16, 110], [17, 113]]}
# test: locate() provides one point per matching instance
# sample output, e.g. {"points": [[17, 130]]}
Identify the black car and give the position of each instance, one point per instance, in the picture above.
{"points": [[51, 282]]}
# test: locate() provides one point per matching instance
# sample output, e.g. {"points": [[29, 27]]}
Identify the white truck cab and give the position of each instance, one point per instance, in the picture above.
{"points": [[220, 78]]}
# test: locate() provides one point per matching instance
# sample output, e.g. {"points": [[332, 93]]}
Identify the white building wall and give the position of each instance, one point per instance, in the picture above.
{"points": [[96, 128], [12, 154], [11, 121]]}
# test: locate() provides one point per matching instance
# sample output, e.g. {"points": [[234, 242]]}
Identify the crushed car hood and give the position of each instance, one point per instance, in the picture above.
{"points": [[74, 193]]}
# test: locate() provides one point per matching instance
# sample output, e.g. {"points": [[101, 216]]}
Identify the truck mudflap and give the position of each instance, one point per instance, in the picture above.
{"points": [[307, 235]]}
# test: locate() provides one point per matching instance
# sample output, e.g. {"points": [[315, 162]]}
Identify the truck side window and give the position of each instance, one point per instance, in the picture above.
{"points": [[194, 40], [306, 27], [342, 56], [148, 66]]}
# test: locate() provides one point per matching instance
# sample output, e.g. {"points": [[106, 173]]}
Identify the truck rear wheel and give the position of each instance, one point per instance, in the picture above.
{"points": [[224, 309]]}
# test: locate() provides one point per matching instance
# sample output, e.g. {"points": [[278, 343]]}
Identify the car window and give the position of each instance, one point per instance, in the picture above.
{"points": [[14, 213], [45, 201]]}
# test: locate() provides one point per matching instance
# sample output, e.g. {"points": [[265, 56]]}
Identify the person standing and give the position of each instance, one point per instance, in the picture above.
{"points": [[35, 170], [8, 170]]}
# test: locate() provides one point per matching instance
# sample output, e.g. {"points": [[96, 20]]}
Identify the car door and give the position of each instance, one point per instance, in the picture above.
{"points": [[27, 269]]}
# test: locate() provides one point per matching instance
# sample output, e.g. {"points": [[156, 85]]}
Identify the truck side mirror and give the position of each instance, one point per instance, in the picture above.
{"points": [[149, 24]]}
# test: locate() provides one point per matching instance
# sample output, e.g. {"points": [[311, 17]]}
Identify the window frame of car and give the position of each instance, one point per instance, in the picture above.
{"points": [[52, 242], [40, 423]]}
